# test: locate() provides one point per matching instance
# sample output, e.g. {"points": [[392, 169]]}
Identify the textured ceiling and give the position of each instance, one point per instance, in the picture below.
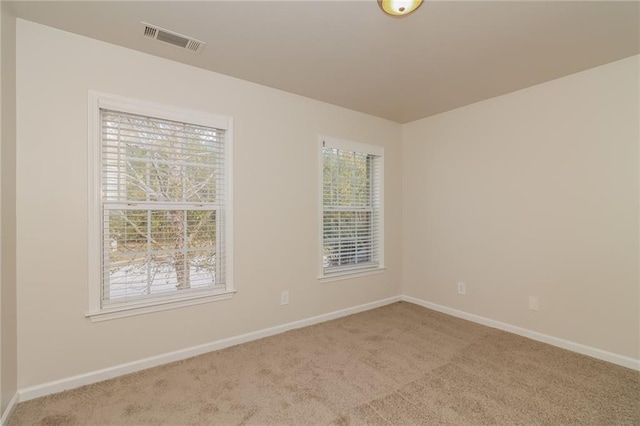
{"points": [[446, 55]]}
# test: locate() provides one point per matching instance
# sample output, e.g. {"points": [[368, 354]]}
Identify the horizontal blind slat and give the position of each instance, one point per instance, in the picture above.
{"points": [[153, 247], [351, 204]]}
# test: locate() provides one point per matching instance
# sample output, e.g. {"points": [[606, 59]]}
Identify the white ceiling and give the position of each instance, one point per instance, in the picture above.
{"points": [[348, 53]]}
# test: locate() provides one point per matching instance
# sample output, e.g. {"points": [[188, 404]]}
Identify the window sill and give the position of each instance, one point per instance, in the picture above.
{"points": [[155, 306], [345, 275]]}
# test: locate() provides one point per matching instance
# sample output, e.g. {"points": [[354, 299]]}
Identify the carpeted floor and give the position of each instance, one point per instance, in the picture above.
{"points": [[401, 364]]}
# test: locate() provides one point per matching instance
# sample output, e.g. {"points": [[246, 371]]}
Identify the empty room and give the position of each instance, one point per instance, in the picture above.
{"points": [[320, 212]]}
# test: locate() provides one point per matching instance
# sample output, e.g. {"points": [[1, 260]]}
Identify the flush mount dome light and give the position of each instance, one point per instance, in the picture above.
{"points": [[399, 7]]}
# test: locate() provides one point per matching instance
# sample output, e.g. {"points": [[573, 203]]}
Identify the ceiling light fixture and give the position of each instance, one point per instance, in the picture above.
{"points": [[399, 7]]}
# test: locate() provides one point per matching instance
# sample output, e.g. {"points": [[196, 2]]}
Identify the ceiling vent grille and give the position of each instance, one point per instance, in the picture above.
{"points": [[184, 42]]}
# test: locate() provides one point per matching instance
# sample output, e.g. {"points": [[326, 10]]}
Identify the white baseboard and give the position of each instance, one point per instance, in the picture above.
{"points": [[9, 410], [131, 367], [534, 335]]}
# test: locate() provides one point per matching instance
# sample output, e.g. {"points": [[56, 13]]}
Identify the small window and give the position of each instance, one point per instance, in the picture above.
{"points": [[352, 208], [160, 212]]}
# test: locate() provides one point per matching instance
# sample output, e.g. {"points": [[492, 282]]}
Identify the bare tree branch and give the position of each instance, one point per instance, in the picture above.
{"points": [[137, 229], [197, 228]]}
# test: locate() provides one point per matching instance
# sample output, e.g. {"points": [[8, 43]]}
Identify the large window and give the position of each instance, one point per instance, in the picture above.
{"points": [[352, 207], [161, 212]]}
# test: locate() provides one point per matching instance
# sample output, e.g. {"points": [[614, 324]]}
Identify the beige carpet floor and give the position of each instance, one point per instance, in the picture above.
{"points": [[400, 364]]}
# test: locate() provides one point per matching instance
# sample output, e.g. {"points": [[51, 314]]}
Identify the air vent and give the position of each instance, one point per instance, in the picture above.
{"points": [[173, 38]]}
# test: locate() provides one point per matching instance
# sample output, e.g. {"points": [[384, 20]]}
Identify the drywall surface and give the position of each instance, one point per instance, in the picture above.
{"points": [[8, 316], [534, 193], [276, 209]]}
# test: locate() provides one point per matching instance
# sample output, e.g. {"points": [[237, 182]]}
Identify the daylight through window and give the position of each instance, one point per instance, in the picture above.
{"points": [[352, 207], [163, 208]]}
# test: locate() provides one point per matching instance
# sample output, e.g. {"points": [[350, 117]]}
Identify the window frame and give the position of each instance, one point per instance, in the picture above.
{"points": [[343, 273], [171, 300]]}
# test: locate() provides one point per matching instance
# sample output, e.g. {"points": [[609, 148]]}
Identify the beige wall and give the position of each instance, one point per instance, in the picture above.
{"points": [[534, 193], [276, 205], [8, 328]]}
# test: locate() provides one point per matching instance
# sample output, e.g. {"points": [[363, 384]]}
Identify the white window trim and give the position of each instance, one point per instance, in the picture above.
{"points": [[346, 275], [97, 101], [353, 272]]}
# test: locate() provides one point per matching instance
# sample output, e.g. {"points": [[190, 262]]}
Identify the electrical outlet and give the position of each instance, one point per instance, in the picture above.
{"points": [[534, 303], [462, 288], [284, 298]]}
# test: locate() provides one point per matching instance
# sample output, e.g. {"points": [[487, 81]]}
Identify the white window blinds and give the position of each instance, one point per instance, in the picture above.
{"points": [[352, 207], [163, 208]]}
